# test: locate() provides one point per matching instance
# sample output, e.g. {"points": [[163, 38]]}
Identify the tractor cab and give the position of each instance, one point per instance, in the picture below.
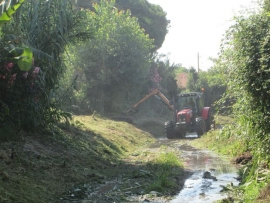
{"points": [[192, 100]]}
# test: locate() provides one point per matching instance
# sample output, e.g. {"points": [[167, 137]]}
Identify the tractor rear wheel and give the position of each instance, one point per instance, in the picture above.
{"points": [[209, 122], [200, 127], [169, 129]]}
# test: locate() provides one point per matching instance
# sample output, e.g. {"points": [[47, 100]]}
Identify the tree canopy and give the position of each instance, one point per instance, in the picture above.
{"points": [[151, 17], [117, 61]]}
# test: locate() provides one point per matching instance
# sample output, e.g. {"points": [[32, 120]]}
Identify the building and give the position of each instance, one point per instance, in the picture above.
{"points": [[182, 80]]}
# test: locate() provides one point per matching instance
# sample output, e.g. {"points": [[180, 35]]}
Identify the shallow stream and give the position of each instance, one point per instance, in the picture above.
{"points": [[204, 190]]}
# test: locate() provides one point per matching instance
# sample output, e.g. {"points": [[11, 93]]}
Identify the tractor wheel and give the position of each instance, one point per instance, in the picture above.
{"points": [[180, 135], [209, 122], [169, 129], [200, 127]]}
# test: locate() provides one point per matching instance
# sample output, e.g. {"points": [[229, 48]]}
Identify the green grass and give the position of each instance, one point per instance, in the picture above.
{"points": [[224, 139], [165, 164], [47, 165]]}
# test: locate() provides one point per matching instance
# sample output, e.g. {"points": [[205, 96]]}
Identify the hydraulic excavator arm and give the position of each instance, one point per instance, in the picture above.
{"points": [[155, 92]]}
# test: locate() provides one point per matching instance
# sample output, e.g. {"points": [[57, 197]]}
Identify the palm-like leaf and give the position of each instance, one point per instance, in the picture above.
{"points": [[7, 8]]}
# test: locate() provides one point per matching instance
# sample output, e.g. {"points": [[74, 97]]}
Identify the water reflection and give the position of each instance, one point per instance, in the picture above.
{"points": [[197, 189]]}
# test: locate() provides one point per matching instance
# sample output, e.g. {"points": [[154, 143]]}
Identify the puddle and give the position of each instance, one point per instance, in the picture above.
{"points": [[198, 189]]}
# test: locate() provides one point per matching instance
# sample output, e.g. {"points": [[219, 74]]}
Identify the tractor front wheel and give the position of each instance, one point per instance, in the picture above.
{"points": [[169, 129], [200, 127]]}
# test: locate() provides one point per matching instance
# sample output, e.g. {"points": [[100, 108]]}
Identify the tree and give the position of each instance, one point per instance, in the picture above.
{"points": [[115, 64], [151, 17], [193, 77], [167, 73]]}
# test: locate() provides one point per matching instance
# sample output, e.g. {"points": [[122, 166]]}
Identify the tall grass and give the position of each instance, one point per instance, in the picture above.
{"points": [[165, 165]]}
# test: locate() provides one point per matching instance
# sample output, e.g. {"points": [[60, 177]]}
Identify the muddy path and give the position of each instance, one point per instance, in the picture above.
{"points": [[210, 175]]}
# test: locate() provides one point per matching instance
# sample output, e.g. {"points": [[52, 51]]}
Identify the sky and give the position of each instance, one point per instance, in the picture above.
{"points": [[197, 28]]}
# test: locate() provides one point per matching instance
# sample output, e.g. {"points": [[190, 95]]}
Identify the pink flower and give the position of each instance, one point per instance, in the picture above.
{"points": [[9, 66], [25, 74], [14, 76], [36, 70], [12, 79]]}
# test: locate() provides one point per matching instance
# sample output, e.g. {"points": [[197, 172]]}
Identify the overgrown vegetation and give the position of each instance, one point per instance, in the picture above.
{"points": [[28, 94], [246, 54], [248, 86], [244, 64]]}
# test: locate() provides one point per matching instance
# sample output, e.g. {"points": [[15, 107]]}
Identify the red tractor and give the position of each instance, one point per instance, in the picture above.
{"points": [[190, 115]]}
